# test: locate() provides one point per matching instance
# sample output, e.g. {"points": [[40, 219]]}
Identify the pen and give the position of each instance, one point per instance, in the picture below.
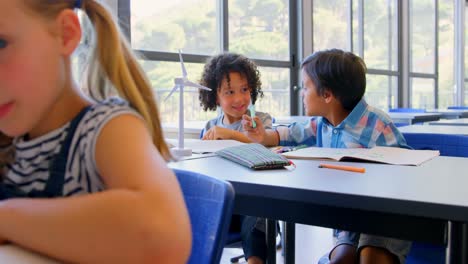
{"points": [[343, 167], [252, 114]]}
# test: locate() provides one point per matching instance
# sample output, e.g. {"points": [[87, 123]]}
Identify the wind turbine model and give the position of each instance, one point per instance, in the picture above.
{"points": [[180, 83]]}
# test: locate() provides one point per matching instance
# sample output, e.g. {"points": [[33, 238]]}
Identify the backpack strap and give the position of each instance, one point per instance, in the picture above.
{"points": [[57, 168]]}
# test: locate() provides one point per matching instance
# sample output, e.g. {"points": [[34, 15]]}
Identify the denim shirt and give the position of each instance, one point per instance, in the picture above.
{"points": [[364, 127]]}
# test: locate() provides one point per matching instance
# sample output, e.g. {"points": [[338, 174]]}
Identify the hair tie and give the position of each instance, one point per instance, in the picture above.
{"points": [[78, 4]]}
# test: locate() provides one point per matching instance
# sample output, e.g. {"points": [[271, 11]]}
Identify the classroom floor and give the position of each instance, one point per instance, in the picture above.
{"points": [[311, 244]]}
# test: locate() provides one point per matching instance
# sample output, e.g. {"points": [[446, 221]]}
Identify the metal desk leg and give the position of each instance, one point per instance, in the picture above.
{"points": [[458, 243], [289, 243], [271, 241]]}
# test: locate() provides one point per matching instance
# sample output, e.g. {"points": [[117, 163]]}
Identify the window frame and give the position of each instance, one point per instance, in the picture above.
{"points": [[124, 16]]}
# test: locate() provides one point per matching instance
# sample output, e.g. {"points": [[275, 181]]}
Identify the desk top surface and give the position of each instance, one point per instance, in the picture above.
{"points": [[413, 115], [442, 129], [451, 122], [437, 188]]}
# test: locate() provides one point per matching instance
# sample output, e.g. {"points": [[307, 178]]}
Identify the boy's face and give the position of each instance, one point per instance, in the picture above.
{"points": [[234, 97], [314, 104]]}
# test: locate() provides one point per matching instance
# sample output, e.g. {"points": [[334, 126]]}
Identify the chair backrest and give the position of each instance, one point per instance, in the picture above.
{"points": [[448, 145], [209, 202], [407, 110], [458, 107]]}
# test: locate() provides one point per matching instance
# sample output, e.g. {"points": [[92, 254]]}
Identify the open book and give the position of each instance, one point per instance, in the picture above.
{"points": [[389, 155]]}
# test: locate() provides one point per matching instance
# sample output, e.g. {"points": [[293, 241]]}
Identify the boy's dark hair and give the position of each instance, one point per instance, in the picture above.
{"points": [[340, 72], [218, 67]]}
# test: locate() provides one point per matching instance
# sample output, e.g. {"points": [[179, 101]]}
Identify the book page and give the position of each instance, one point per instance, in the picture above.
{"points": [[399, 156], [204, 146], [389, 155]]}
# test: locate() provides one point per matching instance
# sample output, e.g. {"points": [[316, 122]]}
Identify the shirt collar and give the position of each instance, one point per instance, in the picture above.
{"points": [[356, 114], [353, 118]]}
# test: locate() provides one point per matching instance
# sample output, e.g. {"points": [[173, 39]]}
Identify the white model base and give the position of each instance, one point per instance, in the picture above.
{"points": [[178, 152]]}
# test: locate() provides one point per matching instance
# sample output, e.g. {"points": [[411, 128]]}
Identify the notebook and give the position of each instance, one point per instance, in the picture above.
{"points": [[254, 156], [388, 155]]}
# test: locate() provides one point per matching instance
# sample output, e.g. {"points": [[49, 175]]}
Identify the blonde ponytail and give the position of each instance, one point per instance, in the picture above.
{"points": [[112, 66]]}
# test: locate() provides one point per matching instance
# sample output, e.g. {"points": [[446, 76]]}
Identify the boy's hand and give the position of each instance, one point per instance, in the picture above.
{"points": [[256, 134], [217, 132]]}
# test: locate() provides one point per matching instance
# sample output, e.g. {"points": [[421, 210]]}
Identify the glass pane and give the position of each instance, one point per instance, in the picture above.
{"points": [[259, 29], [466, 94], [422, 93], [381, 34], [161, 75], [356, 27], [330, 24], [161, 25], [275, 86], [446, 54], [422, 39], [466, 42], [381, 91]]}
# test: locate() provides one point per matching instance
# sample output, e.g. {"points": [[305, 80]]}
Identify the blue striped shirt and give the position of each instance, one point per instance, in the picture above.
{"points": [[364, 127]]}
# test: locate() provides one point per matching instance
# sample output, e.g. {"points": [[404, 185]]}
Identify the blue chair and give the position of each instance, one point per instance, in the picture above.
{"points": [[407, 110], [448, 145], [209, 202]]}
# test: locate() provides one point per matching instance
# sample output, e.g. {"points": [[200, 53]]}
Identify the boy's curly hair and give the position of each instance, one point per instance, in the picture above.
{"points": [[218, 67]]}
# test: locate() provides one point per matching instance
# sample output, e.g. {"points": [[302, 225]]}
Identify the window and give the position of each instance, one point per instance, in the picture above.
{"points": [[446, 57], [369, 29], [203, 28], [422, 47], [380, 44]]}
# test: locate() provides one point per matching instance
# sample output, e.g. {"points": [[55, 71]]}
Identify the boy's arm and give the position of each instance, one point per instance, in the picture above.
{"points": [[391, 137], [259, 134]]}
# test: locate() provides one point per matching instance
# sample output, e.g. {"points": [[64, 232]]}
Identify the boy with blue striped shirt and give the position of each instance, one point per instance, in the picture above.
{"points": [[334, 86]]}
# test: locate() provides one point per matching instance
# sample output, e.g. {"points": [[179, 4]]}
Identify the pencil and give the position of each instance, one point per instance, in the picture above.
{"points": [[343, 167]]}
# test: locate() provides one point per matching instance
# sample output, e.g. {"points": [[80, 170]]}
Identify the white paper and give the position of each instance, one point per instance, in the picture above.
{"points": [[389, 155]]}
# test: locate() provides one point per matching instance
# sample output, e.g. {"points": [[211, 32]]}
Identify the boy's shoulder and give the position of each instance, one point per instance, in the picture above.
{"points": [[378, 113], [363, 113]]}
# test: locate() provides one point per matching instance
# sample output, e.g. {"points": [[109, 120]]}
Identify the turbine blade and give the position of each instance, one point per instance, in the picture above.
{"points": [[172, 91], [184, 71], [196, 85]]}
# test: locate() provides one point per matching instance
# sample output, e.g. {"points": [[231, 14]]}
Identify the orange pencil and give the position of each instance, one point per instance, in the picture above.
{"points": [[343, 167]]}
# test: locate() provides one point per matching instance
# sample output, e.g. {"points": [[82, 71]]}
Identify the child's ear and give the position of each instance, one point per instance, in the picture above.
{"points": [[69, 31], [327, 96]]}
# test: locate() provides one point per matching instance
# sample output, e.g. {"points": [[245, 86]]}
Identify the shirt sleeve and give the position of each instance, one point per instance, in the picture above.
{"points": [[266, 120], [299, 133], [391, 137]]}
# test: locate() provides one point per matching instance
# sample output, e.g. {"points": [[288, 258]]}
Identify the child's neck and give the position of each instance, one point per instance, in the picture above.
{"points": [[227, 120], [337, 115]]}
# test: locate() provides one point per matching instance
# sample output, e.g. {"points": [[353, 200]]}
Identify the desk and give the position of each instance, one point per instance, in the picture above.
{"points": [[442, 129], [386, 200], [12, 254], [450, 113], [413, 118], [451, 122]]}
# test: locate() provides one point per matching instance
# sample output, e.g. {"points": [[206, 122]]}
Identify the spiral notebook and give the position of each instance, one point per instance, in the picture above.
{"points": [[254, 156]]}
